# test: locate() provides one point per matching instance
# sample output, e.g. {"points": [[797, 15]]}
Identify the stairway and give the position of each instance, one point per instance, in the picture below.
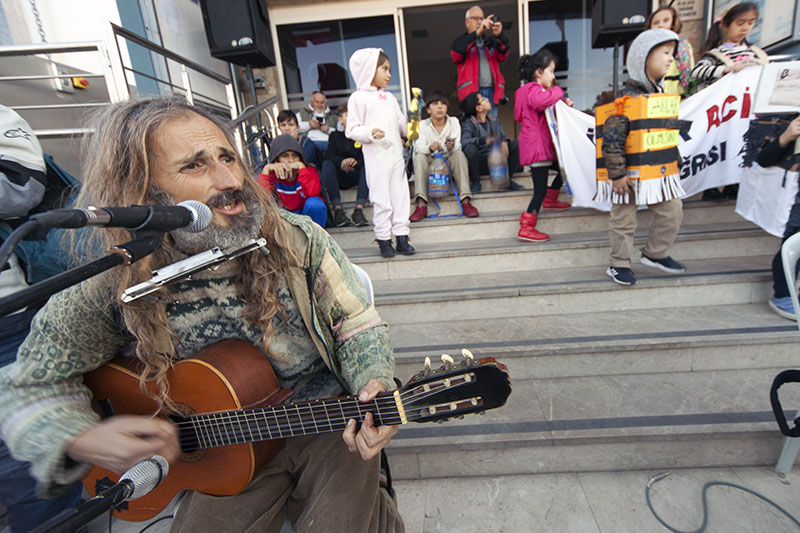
{"points": [[672, 372]]}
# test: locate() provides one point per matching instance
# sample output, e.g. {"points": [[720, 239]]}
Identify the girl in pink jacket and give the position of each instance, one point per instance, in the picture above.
{"points": [[535, 145]]}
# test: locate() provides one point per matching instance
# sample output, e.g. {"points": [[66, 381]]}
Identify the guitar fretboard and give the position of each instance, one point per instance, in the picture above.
{"points": [[282, 421]]}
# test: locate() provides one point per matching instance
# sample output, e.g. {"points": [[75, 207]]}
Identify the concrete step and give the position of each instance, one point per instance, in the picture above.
{"points": [[498, 225], [707, 241], [730, 280], [602, 423], [522, 178], [661, 339]]}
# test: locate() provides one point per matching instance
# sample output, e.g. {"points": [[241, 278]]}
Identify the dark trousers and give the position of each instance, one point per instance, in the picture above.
{"points": [[17, 487], [478, 160], [334, 179], [778, 273], [539, 176]]}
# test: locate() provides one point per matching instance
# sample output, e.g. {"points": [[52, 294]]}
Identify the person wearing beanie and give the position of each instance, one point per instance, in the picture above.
{"points": [[650, 56], [296, 182]]}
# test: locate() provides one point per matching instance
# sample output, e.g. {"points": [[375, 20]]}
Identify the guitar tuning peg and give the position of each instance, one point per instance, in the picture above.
{"points": [[447, 359], [427, 366], [467, 354]]}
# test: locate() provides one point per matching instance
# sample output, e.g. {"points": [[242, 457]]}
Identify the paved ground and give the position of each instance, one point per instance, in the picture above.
{"points": [[584, 503], [600, 502]]}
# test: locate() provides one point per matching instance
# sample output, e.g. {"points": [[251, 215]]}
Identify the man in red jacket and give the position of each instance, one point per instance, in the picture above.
{"points": [[296, 183], [478, 54]]}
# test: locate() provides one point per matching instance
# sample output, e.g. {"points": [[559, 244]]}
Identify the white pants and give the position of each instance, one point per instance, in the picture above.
{"points": [[388, 192]]}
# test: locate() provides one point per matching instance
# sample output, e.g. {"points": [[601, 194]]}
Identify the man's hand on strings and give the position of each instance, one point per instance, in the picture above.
{"points": [[369, 440]]}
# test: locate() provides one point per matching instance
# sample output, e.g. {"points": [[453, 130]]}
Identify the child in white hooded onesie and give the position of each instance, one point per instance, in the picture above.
{"points": [[375, 120]]}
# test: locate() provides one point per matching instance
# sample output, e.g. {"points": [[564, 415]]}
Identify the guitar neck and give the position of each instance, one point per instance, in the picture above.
{"points": [[286, 420]]}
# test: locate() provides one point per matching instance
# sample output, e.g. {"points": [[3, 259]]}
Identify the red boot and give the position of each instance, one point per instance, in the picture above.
{"points": [[527, 229], [551, 200]]}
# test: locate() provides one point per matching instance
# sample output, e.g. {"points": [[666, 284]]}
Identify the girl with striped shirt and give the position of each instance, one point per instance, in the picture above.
{"points": [[726, 48]]}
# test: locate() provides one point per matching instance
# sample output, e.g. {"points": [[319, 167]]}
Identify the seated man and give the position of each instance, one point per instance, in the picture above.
{"points": [[478, 133], [317, 120], [342, 168], [301, 304], [439, 133], [297, 184], [287, 124]]}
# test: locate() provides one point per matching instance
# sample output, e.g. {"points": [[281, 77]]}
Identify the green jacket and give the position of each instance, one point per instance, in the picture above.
{"points": [[44, 404]]}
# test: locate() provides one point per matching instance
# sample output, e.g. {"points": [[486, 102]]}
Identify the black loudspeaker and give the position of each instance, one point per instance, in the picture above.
{"points": [[238, 31], [618, 21]]}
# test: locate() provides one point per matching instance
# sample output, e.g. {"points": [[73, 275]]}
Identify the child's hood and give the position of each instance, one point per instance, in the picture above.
{"points": [[640, 49], [363, 64]]}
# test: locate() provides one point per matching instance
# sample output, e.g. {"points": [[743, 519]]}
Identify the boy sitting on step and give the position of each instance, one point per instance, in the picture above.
{"points": [[295, 181], [478, 133], [440, 133]]}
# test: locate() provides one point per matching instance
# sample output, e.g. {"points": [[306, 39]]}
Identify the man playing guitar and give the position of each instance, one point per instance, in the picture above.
{"points": [[301, 304]]}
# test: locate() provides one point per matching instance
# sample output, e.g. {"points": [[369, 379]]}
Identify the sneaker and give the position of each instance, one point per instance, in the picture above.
{"points": [[419, 213], [470, 211], [666, 264], [514, 186], [340, 219], [475, 188], [621, 275], [403, 247], [358, 217], [386, 248], [783, 306]]}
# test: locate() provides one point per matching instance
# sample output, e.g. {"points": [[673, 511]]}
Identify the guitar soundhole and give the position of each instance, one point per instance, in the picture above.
{"points": [[190, 451]]}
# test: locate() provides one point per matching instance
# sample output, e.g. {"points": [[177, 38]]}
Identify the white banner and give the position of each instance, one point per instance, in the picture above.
{"points": [[720, 115], [711, 155], [766, 196]]}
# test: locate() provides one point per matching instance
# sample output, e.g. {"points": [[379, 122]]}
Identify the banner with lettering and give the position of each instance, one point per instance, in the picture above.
{"points": [[711, 151], [720, 115]]}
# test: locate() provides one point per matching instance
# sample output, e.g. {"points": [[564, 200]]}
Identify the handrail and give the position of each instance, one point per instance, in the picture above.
{"points": [[253, 111], [49, 48], [141, 41]]}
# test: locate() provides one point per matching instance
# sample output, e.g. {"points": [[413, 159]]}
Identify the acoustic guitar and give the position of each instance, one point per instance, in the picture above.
{"points": [[232, 418]]}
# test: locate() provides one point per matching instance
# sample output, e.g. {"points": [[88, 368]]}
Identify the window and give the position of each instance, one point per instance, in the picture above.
{"points": [[316, 55], [565, 27]]}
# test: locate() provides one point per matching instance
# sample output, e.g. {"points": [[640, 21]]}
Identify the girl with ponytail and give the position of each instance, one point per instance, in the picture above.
{"points": [[677, 79], [726, 48]]}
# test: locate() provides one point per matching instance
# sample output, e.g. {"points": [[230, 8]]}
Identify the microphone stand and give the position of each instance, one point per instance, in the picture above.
{"points": [[144, 244]]}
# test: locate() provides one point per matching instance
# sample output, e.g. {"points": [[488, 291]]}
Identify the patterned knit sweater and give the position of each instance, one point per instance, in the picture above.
{"points": [[44, 404]]}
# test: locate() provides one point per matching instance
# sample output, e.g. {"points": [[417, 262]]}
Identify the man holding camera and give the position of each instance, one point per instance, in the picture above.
{"points": [[317, 120], [478, 54]]}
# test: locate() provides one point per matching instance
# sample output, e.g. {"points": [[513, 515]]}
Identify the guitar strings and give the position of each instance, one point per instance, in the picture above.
{"points": [[227, 430]]}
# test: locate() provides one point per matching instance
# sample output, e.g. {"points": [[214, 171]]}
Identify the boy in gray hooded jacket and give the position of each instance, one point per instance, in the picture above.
{"points": [[649, 58]]}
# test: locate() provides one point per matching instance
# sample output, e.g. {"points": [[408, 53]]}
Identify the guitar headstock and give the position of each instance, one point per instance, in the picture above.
{"points": [[455, 389]]}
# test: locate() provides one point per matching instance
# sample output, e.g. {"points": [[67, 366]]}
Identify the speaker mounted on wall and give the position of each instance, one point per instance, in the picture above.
{"points": [[618, 21], [238, 31]]}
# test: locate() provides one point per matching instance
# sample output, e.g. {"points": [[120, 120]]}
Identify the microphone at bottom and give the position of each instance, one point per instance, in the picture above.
{"points": [[142, 478]]}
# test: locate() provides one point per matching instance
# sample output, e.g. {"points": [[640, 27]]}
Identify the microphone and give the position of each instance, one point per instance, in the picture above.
{"points": [[191, 215], [135, 483]]}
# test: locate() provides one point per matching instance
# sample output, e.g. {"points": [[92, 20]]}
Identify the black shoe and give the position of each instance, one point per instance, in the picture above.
{"points": [[666, 264], [731, 192], [386, 248], [358, 217], [621, 275], [475, 188], [340, 220], [514, 186], [713, 195], [403, 247]]}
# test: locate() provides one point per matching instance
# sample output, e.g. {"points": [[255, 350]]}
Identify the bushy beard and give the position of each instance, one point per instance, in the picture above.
{"points": [[240, 229]]}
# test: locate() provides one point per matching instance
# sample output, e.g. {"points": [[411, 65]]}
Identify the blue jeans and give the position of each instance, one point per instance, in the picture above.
{"points": [[18, 493], [488, 92], [316, 209], [778, 273], [335, 179]]}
